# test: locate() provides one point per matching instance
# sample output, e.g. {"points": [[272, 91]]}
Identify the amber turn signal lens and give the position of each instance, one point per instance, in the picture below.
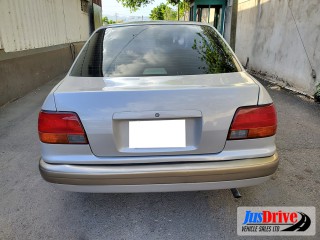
{"points": [[60, 138]]}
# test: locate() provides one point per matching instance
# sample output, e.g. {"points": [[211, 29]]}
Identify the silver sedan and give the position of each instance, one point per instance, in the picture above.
{"points": [[157, 106]]}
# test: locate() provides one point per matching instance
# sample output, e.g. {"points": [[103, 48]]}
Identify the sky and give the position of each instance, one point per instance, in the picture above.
{"points": [[112, 7]]}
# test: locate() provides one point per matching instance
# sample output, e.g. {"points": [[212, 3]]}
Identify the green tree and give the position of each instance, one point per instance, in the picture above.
{"points": [[170, 14], [158, 12], [134, 5], [184, 7], [106, 21], [163, 12]]}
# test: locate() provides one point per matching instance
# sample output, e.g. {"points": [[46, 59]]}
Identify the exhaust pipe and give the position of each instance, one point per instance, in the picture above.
{"points": [[235, 192]]}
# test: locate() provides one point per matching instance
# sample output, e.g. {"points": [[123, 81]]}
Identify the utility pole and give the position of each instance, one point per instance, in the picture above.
{"points": [[233, 31]]}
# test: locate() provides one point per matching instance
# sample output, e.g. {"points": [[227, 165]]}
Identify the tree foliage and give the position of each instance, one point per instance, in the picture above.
{"points": [[158, 12], [163, 12], [134, 5], [105, 20], [184, 7], [214, 52]]}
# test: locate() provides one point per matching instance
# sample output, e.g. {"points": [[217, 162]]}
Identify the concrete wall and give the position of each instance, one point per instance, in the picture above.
{"points": [[21, 72], [267, 34], [29, 24], [35, 38], [227, 21]]}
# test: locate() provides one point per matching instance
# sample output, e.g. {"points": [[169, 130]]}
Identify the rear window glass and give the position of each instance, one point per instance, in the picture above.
{"points": [[154, 50]]}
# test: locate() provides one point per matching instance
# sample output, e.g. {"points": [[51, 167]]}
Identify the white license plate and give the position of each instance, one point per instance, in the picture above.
{"points": [[157, 134]]}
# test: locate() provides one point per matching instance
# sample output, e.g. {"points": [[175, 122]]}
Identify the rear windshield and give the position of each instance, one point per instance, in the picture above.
{"points": [[154, 50]]}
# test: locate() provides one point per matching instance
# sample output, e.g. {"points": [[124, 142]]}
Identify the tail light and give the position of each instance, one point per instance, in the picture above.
{"points": [[61, 128], [253, 122]]}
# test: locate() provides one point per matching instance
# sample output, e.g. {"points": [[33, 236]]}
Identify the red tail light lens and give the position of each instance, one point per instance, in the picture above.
{"points": [[61, 128], [253, 122]]}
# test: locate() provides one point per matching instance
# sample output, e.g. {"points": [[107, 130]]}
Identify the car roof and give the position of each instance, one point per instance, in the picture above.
{"points": [[153, 23]]}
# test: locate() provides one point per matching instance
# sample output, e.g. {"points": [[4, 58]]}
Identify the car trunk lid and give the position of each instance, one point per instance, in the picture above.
{"points": [[111, 109]]}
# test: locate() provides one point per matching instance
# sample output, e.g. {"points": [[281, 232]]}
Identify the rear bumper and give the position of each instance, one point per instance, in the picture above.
{"points": [[168, 177]]}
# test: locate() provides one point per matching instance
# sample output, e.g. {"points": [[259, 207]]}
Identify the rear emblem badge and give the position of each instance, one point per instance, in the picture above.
{"points": [[157, 115]]}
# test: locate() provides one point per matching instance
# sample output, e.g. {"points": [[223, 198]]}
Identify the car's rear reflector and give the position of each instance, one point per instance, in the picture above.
{"points": [[253, 122], [61, 128]]}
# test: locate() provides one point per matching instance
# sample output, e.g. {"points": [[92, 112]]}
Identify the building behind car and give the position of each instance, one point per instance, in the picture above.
{"points": [[39, 41]]}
